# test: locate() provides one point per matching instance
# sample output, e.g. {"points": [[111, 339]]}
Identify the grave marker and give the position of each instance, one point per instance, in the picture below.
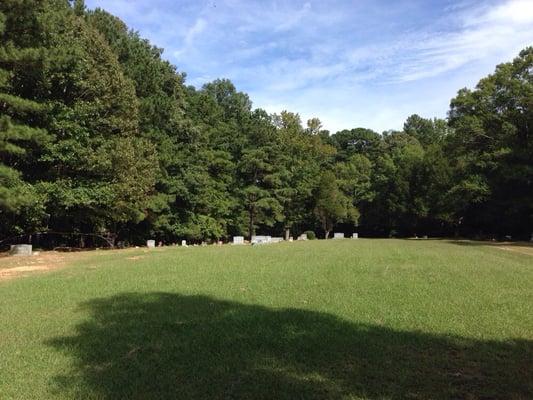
{"points": [[238, 239], [21, 250]]}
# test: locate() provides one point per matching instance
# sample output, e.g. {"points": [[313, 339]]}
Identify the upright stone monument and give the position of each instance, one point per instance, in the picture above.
{"points": [[150, 244], [238, 239], [21, 250], [261, 239], [184, 243], [355, 235], [338, 235]]}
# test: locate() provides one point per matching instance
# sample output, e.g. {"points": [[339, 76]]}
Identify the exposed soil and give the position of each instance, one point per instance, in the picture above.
{"points": [[522, 249], [14, 266]]}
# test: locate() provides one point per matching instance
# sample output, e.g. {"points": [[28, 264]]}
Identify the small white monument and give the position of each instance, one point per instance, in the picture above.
{"points": [[184, 243], [338, 235], [21, 250], [303, 236], [261, 239], [355, 235], [150, 244], [238, 239]]}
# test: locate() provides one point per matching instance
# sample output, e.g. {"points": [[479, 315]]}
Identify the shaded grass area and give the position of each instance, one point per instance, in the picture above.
{"points": [[162, 345], [364, 319]]}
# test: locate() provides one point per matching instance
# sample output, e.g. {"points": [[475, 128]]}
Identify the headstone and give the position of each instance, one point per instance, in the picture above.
{"points": [[150, 244], [355, 235], [290, 239], [276, 239], [303, 236], [261, 239], [21, 250], [184, 243], [238, 239], [338, 235]]}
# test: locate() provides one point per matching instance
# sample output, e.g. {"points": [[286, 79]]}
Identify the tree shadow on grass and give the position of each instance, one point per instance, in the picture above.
{"points": [[169, 346]]}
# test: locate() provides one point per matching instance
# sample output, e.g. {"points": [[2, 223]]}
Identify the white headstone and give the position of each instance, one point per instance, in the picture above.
{"points": [[261, 239], [338, 235], [276, 239], [355, 235], [21, 250], [184, 243], [238, 239], [150, 243], [303, 236]]}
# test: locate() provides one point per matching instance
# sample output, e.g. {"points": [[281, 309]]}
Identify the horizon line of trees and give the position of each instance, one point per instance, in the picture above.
{"points": [[99, 134]]}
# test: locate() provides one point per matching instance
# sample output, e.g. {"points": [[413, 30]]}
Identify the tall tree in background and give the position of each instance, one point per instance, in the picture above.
{"points": [[493, 149], [22, 115], [332, 205]]}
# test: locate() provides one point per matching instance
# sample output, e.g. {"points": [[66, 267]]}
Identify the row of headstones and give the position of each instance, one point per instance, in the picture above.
{"points": [[269, 239]]}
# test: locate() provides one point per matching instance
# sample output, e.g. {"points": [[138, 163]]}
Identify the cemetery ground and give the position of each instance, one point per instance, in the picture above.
{"points": [[350, 319]]}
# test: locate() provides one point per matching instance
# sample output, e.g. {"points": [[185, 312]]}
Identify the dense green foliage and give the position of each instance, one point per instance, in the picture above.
{"points": [[347, 319], [99, 134]]}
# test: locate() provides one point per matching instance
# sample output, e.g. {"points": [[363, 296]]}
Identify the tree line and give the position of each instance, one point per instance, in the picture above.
{"points": [[99, 134]]}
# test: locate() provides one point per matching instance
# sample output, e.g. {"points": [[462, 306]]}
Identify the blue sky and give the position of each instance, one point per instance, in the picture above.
{"points": [[366, 63]]}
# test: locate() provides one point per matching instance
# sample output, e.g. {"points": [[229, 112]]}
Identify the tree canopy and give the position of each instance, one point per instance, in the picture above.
{"points": [[100, 134]]}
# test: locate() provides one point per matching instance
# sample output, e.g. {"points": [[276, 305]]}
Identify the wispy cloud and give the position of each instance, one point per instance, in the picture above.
{"points": [[366, 63]]}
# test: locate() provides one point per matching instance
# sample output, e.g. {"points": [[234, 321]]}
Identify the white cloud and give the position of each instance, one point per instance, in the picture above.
{"points": [[349, 63]]}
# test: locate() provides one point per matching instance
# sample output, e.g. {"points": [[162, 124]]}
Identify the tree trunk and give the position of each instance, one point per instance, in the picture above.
{"points": [[326, 234], [251, 229], [287, 233]]}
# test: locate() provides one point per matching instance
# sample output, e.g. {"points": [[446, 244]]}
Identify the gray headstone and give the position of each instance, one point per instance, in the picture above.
{"points": [[338, 235], [150, 244], [238, 239], [355, 235], [21, 250]]}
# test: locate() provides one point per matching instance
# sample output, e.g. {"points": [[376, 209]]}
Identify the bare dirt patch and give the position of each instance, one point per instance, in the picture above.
{"points": [[12, 267], [522, 249]]}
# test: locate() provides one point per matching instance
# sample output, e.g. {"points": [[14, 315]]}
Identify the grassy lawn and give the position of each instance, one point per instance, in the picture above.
{"points": [[350, 319]]}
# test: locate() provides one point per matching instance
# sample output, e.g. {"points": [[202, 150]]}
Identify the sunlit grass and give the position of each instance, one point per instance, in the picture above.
{"points": [[370, 319]]}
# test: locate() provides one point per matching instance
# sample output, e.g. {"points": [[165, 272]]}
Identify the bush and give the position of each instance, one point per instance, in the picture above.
{"points": [[310, 235]]}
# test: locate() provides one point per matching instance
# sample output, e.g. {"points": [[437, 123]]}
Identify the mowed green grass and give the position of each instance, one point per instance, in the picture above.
{"points": [[349, 319]]}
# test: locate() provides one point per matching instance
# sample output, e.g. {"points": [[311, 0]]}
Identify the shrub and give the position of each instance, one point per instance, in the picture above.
{"points": [[310, 235]]}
